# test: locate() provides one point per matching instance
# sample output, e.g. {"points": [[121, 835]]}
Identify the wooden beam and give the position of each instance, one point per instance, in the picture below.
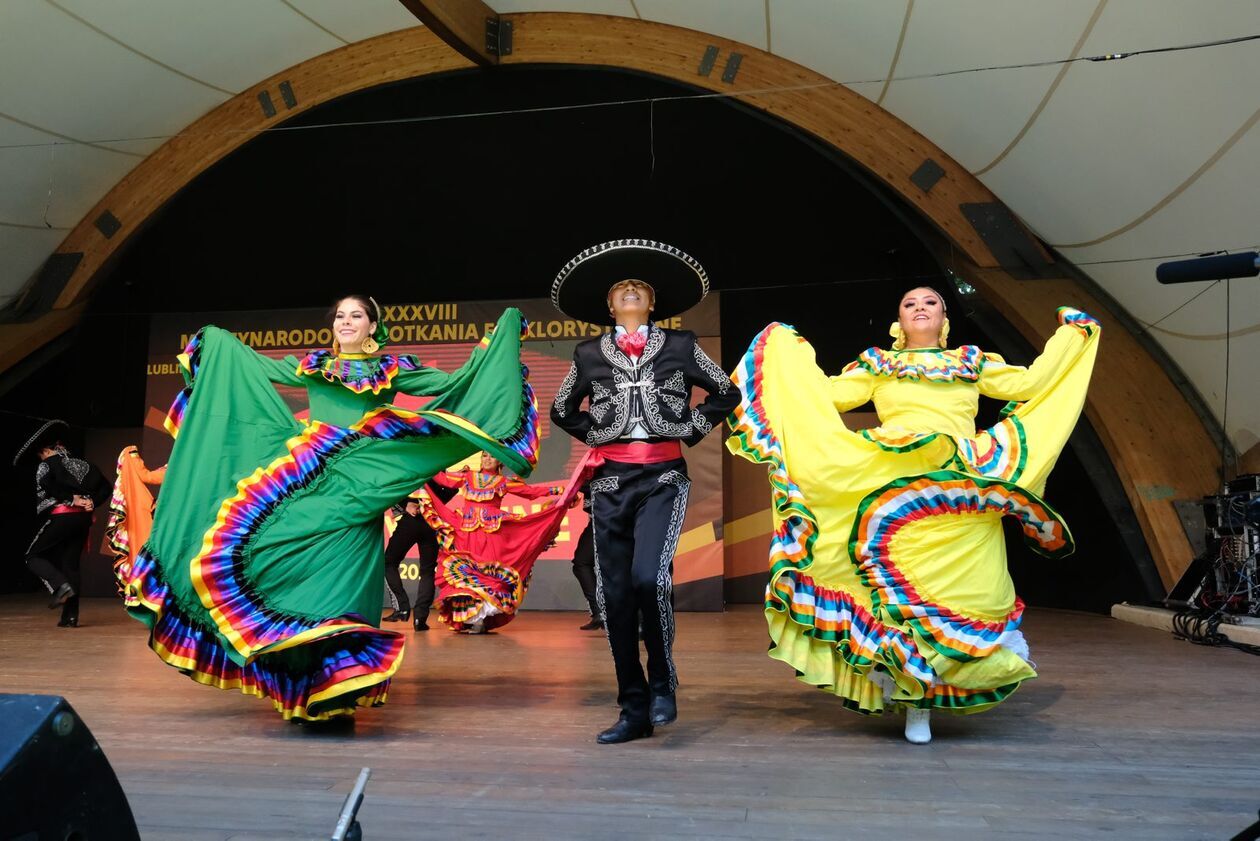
{"points": [[461, 24], [887, 148]]}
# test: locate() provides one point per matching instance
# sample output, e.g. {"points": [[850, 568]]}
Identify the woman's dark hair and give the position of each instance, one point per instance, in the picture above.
{"points": [[369, 306]]}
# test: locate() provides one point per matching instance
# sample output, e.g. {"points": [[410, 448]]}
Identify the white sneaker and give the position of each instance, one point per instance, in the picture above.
{"points": [[918, 730]]}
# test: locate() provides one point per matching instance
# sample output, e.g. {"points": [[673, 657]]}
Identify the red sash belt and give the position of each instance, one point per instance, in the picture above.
{"points": [[67, 509], [636, 452]]}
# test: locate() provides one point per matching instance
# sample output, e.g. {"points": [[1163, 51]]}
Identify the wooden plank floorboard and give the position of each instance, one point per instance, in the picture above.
{"points": [[1127, 734]]}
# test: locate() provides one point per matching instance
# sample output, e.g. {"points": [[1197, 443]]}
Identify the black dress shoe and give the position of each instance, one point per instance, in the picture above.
{"points": [[68, 622], [624, 731], [419, 624], [60, 596], [398, 616], [593, 625], [664, 710], [338, 724]]}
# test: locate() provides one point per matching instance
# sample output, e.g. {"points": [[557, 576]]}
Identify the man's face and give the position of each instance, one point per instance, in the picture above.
{"points": [[46, 452], [631, 299]]}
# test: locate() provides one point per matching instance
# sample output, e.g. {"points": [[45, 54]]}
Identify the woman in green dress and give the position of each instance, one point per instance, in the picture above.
{"points": [[262, 572]]}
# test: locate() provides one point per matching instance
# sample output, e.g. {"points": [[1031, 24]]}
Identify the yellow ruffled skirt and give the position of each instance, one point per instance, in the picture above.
{"points": [[888, 578]]}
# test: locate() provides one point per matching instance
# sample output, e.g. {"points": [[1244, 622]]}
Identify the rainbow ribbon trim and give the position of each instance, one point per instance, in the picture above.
{"points": [[478, 582], [1000, 452], [882, 514], [190, 364], [946, 366], [116, 536], [1086, 323], [353, 670], [374, 374], [526, 441]]}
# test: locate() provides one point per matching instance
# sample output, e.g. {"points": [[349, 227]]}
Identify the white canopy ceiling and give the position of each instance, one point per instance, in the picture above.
{"points": [[1116, 164]]}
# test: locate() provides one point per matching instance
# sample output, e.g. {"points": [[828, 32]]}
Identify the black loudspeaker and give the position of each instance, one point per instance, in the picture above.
{"points": [[55, 783]]}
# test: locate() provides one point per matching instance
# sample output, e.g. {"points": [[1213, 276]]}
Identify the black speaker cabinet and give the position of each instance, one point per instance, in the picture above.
{"points": [[55, 783]]}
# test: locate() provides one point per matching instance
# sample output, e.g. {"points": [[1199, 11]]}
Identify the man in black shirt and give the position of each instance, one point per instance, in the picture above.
{"points": [[412, 530]]}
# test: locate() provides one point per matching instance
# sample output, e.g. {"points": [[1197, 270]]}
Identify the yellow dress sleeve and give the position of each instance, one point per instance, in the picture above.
{"points": [[1018, 383], [853, 387]]}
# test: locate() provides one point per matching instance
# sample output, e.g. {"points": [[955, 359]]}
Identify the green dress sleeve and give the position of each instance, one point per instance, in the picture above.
{"points": [[280, 371], [488, 399], [423, 381]]}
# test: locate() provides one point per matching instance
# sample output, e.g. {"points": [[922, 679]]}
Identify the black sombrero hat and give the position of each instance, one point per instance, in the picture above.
{"points": [[46, 434], [581, 289]]}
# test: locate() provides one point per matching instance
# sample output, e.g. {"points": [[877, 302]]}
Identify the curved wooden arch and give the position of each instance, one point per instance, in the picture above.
{"points": [[872, 137], [1160, 449]]}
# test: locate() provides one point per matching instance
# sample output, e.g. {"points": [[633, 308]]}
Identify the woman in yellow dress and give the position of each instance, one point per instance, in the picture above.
{"points": [[888, 580]]}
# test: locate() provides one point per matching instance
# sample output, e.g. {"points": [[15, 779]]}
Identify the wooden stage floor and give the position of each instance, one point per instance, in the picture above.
{"points": [[1127, 734]]}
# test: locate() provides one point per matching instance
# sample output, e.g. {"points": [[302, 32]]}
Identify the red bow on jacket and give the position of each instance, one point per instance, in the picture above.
{"points": [[631, 344]]}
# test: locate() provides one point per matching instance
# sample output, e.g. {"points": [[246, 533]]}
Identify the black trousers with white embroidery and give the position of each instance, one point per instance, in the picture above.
{"points": [[56, 551], [638, 512]]}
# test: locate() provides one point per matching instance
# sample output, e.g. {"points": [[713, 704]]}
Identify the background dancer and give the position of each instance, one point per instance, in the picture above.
{"points": [[67, 490], [486, 555], [411, 529], [584, 567], [130, 511]]}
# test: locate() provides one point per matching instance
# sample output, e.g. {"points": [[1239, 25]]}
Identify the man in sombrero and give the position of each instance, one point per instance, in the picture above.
{"points": [[637, 382], [67, 489]]}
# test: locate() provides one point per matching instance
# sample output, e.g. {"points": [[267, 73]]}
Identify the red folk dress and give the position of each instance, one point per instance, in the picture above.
{"points": [[486, 554]]}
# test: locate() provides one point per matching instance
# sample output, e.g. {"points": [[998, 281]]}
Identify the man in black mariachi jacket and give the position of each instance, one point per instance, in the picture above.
{"points": [[637, 384], [67, 490]]}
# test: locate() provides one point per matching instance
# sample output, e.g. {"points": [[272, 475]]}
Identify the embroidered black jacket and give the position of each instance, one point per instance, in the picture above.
{"points": [[60, 477], [655, 390]]}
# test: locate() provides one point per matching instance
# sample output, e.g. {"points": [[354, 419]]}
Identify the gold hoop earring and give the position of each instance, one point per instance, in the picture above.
{"points": [[898, 335], [944, 337], [369, 345]]}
